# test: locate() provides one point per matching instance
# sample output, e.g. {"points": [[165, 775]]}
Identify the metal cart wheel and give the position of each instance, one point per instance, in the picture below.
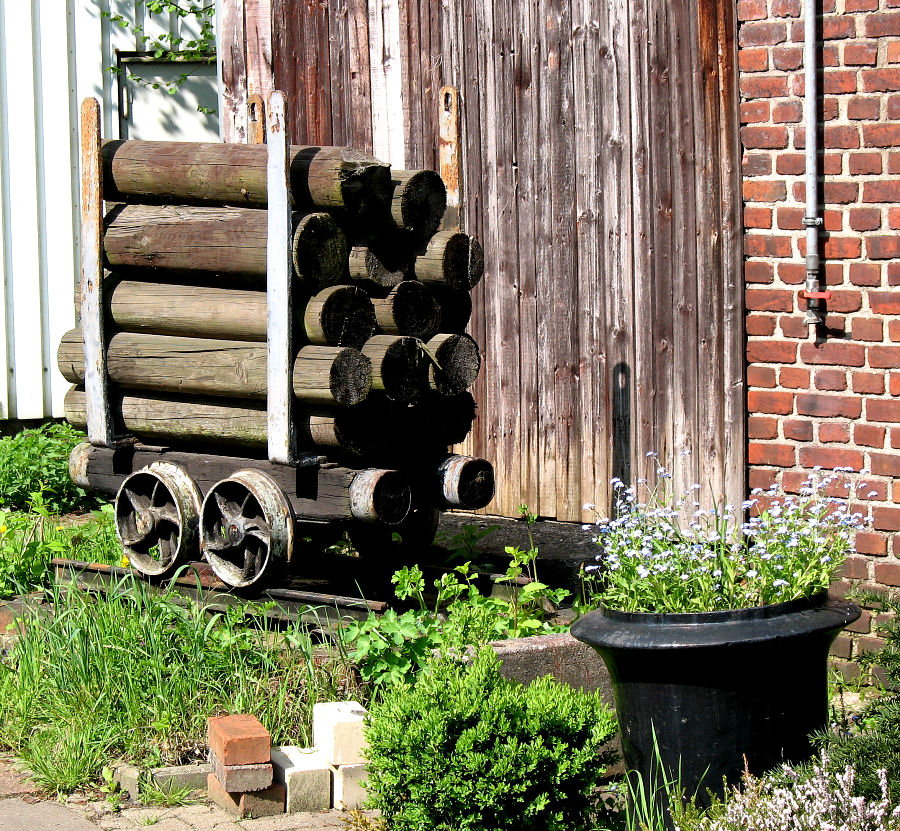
{"points": [[246, 529], [157, 513]]}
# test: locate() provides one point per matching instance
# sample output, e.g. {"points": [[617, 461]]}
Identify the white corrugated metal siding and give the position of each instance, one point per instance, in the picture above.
{"points": [[53, 53]]}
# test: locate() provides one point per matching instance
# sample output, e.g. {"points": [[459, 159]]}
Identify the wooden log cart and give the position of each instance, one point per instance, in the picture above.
{"points": [[260, 347]]}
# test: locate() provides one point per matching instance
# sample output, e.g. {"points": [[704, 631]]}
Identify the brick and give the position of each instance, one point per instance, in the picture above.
{"points": [[791, 273], [267, 803], [759, 325], [865, 274], [881, 25], [751, 10], [842, 647], [843, 301], [884, 190], [338, 731], [865, 219], [241, 778], [239, 739], [762, 427], [894, 217], [757, 164], [787, 58], [885, 302], [893, 273], [828, 406], [753, 112], [860, 5], [886, 519], [796, 429], [880, 80], [862, 624], [767, 245], [883, 247], [769, 138], [769, 300], [794, 378], [838, 27], [785, 8], [894, 330], [838, 82], [837, 136], [868, 435], [789, 218], [761, 376], [830, 457], [860, 54], [894, 383], [753, 60], [771, 352], [866, 329], [837, 248], [764, 191], [878, 409], [893, 107], [870, 383], [862, 163], [180, 777], [306, 776], [832, 352], [834, 380], [881, 135], [348, 791], [779, 455], [832, 431], [790, 164], [863, 109], [888, 574], [884, 464], [764, 401], [793, 327], [757, 217], [839, 193], [764, 86], [759, 477], [872, 544], [762, 33], [893, 52], [756, 271], [833, 165]]}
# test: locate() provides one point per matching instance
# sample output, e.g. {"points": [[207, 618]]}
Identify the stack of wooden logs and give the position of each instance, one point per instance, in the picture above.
{"points": [[381, 300]]}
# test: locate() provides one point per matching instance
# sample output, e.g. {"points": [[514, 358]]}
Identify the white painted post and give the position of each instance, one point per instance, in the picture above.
{"points": [[280, 396]]}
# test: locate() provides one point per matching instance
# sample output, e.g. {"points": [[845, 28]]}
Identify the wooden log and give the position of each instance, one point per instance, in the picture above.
{"points": [[339, 316], [398, 365], [229, 241], [464, 482], [372, 271], [187, 172], [455, 362], [455, 306], [409, 309], [451, 418], [419, 201], [317, 493], [452, 259], [200, 366]]}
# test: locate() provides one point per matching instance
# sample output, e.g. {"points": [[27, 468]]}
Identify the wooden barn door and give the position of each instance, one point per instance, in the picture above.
{"points": [[601, 172]]}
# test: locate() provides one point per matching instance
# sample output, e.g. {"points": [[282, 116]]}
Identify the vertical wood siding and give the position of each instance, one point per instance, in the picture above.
{"points": [[600, 152]]}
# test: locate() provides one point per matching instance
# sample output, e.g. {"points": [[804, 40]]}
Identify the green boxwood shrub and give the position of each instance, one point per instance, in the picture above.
{"points": [[464, 748]]}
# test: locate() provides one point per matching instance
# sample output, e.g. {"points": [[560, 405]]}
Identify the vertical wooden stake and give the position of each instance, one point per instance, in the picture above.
{"points": [[256, 120], [280, 398], [448, 153], [99, 422]]}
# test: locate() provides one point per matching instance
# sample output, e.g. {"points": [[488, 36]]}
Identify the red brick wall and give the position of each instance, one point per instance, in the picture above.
{"points": [[836, 402]]}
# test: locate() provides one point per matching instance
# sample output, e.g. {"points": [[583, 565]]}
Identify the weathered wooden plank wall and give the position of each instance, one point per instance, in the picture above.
{"points": [[600, 154]]}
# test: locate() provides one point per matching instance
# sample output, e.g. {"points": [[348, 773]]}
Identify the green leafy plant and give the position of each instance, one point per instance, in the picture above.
{"points": [[465, 749], [666, 554], [37, 461]]}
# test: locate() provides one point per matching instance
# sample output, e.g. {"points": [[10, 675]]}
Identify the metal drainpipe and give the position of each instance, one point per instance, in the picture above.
{"points": [[811, 220]]}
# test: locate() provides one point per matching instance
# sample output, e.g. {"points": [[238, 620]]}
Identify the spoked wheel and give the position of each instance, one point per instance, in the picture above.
{"points": [[157, 513], [246, 529]]}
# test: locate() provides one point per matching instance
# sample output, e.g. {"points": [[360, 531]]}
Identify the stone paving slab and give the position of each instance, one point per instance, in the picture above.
{"points": [[18, 815]]}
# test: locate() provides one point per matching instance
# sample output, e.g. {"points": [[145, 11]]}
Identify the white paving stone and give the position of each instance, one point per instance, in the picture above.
{"points": [[338, 731]]}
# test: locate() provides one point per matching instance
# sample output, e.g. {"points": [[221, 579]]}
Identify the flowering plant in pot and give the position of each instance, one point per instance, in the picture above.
{"points": [[716, 629]]}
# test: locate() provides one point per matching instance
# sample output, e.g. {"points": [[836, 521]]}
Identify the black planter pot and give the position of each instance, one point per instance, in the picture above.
{"points": [[716, 687]]}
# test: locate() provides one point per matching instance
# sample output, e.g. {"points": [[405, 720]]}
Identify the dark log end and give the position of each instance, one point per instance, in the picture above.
{"points": [[344, 317], [410, 309], [466, 482], [398, 362], [319, 251], [455, 363], [380, 496], [453, 417], [374, 269], [351, 377], [420, 199], [455, 307], [463, 262]]}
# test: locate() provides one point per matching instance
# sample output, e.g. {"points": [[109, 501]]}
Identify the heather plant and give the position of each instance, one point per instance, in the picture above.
{"points": [[664, 553], [823, 800]]}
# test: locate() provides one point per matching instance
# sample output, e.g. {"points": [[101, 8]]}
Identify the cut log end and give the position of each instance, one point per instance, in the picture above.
{"points": [[455, 362], [420, 199], [340, 316], [409, 309], [455, 307], [380, 496], [452, 259], [319, 251], [351, 377], [372, 270], [397, 366], [466, 482]]}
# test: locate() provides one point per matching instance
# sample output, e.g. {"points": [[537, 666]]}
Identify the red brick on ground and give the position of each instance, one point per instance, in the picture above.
{"points": [[239, 740], [267, 803]]}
